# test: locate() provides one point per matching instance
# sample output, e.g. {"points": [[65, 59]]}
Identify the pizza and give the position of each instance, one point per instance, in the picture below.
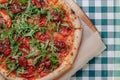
{"points": [[39, 39]]}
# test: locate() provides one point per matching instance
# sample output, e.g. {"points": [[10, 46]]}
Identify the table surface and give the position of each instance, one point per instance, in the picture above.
{"points": [[105, 15]]}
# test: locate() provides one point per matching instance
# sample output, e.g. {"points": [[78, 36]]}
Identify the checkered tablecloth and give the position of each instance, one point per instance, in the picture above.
{"points": [[101, 13], [117, 41]]}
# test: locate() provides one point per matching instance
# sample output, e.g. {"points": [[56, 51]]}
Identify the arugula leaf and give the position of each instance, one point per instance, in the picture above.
{"points": [[11, 66], [15, 46], [10, 13], [2, 6], [43, 10], [66, 25], [56, 28], [10, 1], [37, 61], [23, 1], [49, 17], [16, 57], [43, 52], [20, 70], [59, 8], [54, 59], [32, 55]]}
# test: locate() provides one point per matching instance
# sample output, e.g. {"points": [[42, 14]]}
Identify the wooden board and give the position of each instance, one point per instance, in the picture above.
{"points": [[78, 11]]}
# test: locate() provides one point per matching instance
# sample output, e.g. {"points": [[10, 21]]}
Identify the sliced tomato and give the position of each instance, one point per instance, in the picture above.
{"points": [[7, 51], [43, 37], [42, 21], [40, 3], [6, 42], [3, 1], [2, 21], [41, 67], [6, 17], [16, 1], [56, 16], [19, 39], [48, 64], [25, 43], [59, 44], [65, 31], [30, 73], [16, 8], [5, 47], [62, 51], [30, 20], [44, 73], [23, 61], [52, 1]]}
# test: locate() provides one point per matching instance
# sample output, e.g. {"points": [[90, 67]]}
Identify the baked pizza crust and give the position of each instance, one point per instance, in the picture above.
{"points": [[67, 64]]}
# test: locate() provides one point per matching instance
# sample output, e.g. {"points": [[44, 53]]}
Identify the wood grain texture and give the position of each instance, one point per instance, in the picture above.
{"points": [[78, 11]]}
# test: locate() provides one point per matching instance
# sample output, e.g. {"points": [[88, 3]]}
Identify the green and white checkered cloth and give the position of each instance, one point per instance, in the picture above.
{"points": [[117, 41], [101, 13]]}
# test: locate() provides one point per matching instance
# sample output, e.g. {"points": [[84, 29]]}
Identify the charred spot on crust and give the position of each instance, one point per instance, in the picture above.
{"points": [[73, 12]]}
